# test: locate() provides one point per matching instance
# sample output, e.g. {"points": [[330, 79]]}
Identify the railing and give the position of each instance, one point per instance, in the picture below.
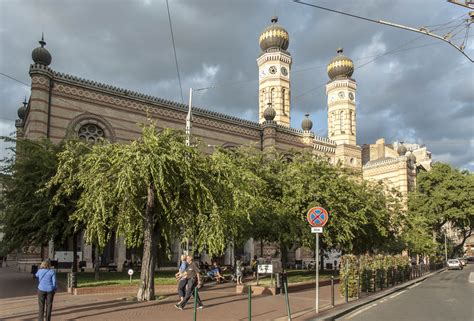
{"points": [[371, 281]]}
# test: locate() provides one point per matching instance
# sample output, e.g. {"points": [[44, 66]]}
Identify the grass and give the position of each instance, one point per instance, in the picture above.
{"points": [[296, 276], [86, 279]]}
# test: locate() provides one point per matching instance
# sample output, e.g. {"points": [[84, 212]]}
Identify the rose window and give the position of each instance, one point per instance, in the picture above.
{"points": [[91, 133]]}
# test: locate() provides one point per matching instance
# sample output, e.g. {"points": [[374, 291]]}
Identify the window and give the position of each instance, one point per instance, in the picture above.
{"points": [[283, 96], [341, 122], [91, 133]]}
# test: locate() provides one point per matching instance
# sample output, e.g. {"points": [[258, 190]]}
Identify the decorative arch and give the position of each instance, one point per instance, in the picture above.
{"points": [[230, 145], [81, 121], [341, 121], [283, 100]]}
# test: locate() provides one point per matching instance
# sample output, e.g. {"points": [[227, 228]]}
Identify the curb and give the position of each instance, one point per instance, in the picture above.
{"points": [[334, 313]]}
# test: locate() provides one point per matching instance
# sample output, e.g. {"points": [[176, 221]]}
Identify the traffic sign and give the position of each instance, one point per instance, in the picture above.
{"points": [[130, 272], [316, 229], [317, 217]]}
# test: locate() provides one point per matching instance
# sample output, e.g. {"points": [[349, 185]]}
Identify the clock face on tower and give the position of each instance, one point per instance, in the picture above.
{"points": [[351, 96], [272, 69], [341, 94], [284, 71], [263, 73]]}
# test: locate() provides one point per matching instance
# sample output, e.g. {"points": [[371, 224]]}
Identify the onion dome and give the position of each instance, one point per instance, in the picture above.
{"points": [[401, 149], [22, 110], [306, 124], [340, 66], [41, 55], [269, 113], [274, 36]]}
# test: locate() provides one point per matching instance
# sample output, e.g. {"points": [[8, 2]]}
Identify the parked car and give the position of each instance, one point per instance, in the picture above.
{"points": [[454, 264]]}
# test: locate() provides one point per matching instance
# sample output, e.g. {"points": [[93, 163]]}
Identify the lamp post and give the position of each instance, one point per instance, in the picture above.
{"points": [[445, 246], [189, 119]]}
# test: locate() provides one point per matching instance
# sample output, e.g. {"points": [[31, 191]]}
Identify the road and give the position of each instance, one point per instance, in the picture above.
{"points": [[445, 296]]}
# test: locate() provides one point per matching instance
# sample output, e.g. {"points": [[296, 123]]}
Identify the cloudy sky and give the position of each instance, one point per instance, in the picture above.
{"points": [[411, 87]]}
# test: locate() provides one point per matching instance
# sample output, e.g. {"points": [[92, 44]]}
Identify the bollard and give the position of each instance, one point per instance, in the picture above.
{"points": [[195, 303], [358, 286], [285, 284], [346, 281], [332, 290], [375, 282], [250, 301]]}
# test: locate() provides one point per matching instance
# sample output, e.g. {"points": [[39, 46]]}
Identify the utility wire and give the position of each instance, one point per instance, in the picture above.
{"points": [[174, 50], [391, 24], [21, 82], [229, 84]]}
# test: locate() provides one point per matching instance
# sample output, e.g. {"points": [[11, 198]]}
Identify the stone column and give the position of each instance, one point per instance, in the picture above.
{"points": [[269, 134], [36, 121]]}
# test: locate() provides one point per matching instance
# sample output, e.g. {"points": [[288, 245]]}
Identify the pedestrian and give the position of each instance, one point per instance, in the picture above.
{"points": [[181, 277], [253, 265], [193, 280], [239, 271], [46, 289]]}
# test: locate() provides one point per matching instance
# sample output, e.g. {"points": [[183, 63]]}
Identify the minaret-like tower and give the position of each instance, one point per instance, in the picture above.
{"points": [[341, 92], [341, 100], [274, 65]]}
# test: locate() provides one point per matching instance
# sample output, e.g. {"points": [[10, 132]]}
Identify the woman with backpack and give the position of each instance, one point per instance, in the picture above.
{"points": [[46, 289]]}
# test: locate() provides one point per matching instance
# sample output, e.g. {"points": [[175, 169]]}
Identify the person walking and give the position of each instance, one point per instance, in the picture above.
{"points": [[181, 277], [46, 289], [239, 271], [254, 266], [193, 280]]}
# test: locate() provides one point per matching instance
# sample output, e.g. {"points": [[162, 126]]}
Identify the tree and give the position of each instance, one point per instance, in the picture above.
{"points": [[444, 195], [359, 211], [294, 182], [153, 188], [26, 218]]}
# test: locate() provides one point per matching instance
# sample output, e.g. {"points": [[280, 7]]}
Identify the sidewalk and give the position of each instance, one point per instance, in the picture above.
{"points": [[18, 302]]}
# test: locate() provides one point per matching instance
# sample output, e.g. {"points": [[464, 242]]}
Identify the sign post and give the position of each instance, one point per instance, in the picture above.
{"points": [[317, 217], [130, 272]]}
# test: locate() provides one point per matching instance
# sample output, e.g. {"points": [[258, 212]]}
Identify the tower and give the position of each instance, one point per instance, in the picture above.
{"points": [[340, 91], [274, 65]]}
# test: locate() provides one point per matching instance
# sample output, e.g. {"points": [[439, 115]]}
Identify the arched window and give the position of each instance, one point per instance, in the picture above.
{"points": [[91, 133], [350, 122], [272, 96], [341, 121], [283, 98]]}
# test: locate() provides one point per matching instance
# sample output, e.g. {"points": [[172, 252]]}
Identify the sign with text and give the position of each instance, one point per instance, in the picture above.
{"points": [[265, 268], [316, 229]]}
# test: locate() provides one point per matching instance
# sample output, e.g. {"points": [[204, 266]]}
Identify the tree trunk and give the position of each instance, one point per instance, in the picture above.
{"points": [[146, 292], [284, 255], [74, 252], [96, 263], [261, 247]]}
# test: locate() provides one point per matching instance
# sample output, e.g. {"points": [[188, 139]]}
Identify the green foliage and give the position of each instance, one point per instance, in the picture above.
{"points": [[25, 214], [192, 191], [443, 195]]}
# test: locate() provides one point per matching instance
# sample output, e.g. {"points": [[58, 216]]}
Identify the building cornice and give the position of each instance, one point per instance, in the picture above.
{"points": [[129, 94]]}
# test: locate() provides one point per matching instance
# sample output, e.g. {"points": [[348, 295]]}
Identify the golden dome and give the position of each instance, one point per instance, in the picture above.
{"points": [[274, 36], [340, 66]]}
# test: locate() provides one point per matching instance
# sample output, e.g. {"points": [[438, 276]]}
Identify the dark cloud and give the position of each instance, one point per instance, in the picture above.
{"points": [[420, 90]]}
